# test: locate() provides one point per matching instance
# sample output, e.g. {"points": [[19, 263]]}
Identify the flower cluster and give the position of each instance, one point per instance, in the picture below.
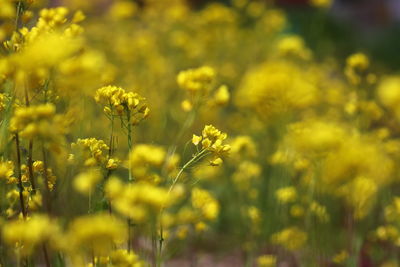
{"points": [[143, 158], [205, 203], [119, 102], [139, 201], [39, 121], [212, 139], [196, 80], [312, 149], [95, 234], [94, 153], [30, 234]]}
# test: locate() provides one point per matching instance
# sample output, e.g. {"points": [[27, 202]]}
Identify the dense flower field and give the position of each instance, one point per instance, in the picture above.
{"points": [[158, 134]]}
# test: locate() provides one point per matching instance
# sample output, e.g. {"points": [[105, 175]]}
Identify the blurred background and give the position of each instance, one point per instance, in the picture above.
{"points": [[371, 26]]}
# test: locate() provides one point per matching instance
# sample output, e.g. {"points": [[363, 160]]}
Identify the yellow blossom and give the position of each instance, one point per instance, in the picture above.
{"points": [[196, 80], [286, 194], [28, 234], [291, 238], [85, 181], [205, 203], [266, 261], [95, 234]]}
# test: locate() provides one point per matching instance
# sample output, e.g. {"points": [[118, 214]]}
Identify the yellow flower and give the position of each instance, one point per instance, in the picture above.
{"points": [[95, 234], [291, 238], [389, 93], [196, 139], [186, 105], [139, 200], [121, 103], [205, 203], [313, 137], [143, 158], [358, 61], [124, 258], [94, 151], [39, 121], [7, 9], [243, 146], [266, 261], [321, 3], [360, 195], [222, 95], [200, 227], [123, 9], [28, 234], [3, 98], [294, 45], [212, 140], [297, 211], [319, 211], [278, 87], [87, 180], [340, 257], [356, 65], [286, 194], [112, 163], [216, 162], [6, 170], [196, 80]]}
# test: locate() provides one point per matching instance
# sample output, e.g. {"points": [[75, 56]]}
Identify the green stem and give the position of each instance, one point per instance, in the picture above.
{"points": [[18, 15], [196, 158], [46, 181], [46, 256], [129, 128], [110, 151], [19, 173], [30, 151], [186, 125]]}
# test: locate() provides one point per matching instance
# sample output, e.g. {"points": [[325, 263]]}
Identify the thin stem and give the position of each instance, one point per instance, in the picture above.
{"points": [[30, 167], [194, 159], [110, 147], [46, 256], [110, 151], [129, 126], [18, 15], [93, 259], [46, 180], [19, 173], [154, 243], [186, 125], [160, 244], [30, 151]]}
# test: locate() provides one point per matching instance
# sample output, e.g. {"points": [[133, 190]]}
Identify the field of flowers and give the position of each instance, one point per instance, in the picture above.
{"points": [[156, 133]]}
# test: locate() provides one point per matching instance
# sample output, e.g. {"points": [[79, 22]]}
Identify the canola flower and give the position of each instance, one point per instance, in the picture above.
{"points": [[305, 174], [26, 235]]}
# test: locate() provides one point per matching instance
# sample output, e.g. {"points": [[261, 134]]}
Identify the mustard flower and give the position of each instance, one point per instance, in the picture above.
{"points": [[118, 102], [87, 180], [39, 121], [26, 235], [286, 194], [196, 80], [143, 158], [96, 234], [291, 238], [266, 261], [205, 203]]}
